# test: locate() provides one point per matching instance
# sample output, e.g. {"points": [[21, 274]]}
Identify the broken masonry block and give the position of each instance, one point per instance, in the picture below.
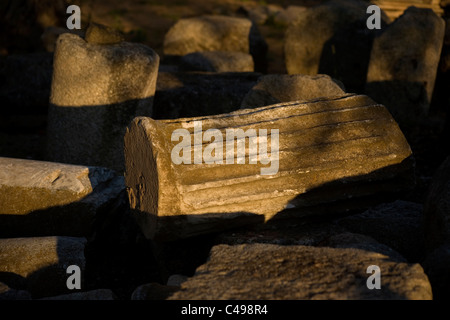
{"points": [[97, 89], [39, 198], [191, 176]]}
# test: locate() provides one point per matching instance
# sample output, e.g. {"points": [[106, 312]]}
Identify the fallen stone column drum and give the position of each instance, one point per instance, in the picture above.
{"points": [[333, 154]]}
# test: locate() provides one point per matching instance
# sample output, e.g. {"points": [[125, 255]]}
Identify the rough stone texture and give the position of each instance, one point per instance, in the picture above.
{"points": [[218, 61], [395, 8], [216, 33], [7, 293], [331, 38], [260, 14], [51, 34], [437, 208], [309, 231], [25, 82], [153, 291], [180, 95], [398, 224], [273, 89], [269, 272], [96, 91], [39, 264], [334, 153], [98, 294], [288, 15], [404, 62], [436, 266], [46, 198], [100, 34]]}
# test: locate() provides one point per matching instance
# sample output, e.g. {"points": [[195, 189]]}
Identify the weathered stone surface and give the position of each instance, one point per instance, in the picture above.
{"points": [[153, 291], [331, 154], [101, 34], [98, 294], [269, 272], [39, 198], [51, 34], [215, 33], [437, 208], [331, 38], [260, 14], [218, 61], [436, 266], [404, 62], [96, 91], [288, 15], [273, 89], [25, 81], [395, 8], [398, 224], [39, 264], [190, 94], [7, 293]]}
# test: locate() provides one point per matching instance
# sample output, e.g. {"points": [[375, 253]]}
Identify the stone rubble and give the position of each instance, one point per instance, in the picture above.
{"points": [[95, 186]]}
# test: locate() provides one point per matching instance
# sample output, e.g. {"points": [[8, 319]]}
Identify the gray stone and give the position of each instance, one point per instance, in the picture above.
{"points": [[153, 291], [403, 64], [218, 61], [98, 294], [176, 280], [96, 91], [191, 94], [39, 264], [436, 266], [215, 33], [398, 224], [274, 88], [332, 154], [437, 208], [272, 272], [44, 198], [331, 38]]}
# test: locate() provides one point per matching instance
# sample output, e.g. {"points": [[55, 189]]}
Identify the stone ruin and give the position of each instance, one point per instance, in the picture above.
{"points": [[107, 196]]}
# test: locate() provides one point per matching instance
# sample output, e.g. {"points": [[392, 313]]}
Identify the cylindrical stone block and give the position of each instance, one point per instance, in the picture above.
{"points": [[97, 89], [195, 175]]}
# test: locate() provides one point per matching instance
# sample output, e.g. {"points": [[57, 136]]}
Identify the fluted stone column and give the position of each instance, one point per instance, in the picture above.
{"points": [[323, 156]]}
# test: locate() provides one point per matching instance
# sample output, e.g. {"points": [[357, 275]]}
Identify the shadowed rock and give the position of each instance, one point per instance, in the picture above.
{"points": [[404, 62], [398, 224], [273, 89], [437, 208], [331, 38], [218, 61]]}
